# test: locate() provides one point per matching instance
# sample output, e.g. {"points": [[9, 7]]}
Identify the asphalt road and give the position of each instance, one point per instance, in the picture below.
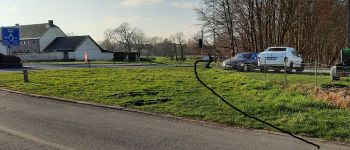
{"points": [[39, 123]]}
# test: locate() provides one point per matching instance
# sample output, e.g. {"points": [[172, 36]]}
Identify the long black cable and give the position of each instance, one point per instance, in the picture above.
{"points": [[244, 113]]}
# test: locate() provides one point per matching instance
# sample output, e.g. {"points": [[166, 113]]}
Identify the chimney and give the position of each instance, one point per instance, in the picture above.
{"points": [[51, 23], [17, 25]]}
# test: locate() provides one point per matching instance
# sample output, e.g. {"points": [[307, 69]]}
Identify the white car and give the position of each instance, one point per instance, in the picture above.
{"points": [[280, 58]]}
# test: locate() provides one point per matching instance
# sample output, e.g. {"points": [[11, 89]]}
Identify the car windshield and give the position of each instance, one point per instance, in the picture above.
{"points": [[242, 56], [254, 56]]}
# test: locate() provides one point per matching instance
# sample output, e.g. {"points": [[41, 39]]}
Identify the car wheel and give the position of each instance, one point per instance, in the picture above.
{"points": [[245, 68], [289, 70], [299, 70]]}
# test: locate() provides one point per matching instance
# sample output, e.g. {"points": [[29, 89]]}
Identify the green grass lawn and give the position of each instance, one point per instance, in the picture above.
{"points": [[167, 60], [154, 60], [83, 62], [175, 91]]}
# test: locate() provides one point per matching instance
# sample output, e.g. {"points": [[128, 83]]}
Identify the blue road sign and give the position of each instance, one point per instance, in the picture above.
{"points": [[10, 36]]}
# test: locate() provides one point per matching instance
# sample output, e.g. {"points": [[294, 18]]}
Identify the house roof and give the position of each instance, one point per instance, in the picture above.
{"points": [[33, 31], [69, 43]]}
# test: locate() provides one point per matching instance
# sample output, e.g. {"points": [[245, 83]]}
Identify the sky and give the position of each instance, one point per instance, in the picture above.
{"points": [[93, 17]]}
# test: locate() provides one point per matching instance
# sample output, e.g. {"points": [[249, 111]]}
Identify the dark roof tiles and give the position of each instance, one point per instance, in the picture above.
{"points": [[69, 43], [33, 31]]}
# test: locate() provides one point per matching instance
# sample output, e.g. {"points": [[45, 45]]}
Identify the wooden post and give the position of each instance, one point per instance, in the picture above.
{"points": [[25, 75]]}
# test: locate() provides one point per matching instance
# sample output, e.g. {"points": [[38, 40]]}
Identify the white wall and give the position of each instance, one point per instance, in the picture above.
{"points": [[40, 56], [3, 49], [88, 45], [93, 51], [51, 34], [107, 56]]}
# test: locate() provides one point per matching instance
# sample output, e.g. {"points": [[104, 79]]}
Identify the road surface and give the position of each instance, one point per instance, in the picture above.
{"points": [[40, 123]]}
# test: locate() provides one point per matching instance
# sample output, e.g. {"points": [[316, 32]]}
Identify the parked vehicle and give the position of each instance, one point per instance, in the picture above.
{"points": [[342, 68], [243, 62], [7, 61], [280, 58]]}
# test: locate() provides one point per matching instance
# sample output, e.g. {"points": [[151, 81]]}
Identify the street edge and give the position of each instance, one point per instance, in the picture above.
{"points": [[166, 116]]}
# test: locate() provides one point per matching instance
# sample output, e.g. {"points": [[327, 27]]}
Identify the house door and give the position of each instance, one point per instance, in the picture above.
{"points": [[65, 56]]}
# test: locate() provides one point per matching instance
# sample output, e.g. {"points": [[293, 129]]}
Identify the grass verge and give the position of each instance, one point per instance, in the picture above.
{"points": [[175, 91]]}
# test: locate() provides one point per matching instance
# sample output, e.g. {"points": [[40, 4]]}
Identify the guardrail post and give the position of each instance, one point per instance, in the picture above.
{"points": [[25, 76], [285, 71], [316, 65], [265, 68]]}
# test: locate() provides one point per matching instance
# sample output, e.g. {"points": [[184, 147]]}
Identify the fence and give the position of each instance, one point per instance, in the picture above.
{"points": [[312, 76]]}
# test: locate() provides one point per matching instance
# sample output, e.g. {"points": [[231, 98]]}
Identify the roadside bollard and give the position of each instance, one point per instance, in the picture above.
{"points": [[25, 76]]}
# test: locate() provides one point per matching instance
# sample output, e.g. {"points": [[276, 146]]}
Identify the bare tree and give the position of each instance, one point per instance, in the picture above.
{"points": [[219, 19], [153, 43], [180, 41], [172, 38], [139, 40], [130, 38], [108, 45], [124, 34], [316, 28]]}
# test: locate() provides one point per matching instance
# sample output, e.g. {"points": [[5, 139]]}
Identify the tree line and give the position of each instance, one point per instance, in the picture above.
{"points": [[316, 28], [132, 39]]}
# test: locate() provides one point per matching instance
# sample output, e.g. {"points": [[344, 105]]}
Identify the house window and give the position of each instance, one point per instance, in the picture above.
{"points": [[34, 42]]}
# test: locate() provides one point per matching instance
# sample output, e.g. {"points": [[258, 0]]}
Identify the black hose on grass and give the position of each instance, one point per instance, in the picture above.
{"points": [[244, 113]]}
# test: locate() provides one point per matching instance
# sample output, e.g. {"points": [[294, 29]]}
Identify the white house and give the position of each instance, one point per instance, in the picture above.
{"points": [[74, 47], [3, 49], [48, 42]]}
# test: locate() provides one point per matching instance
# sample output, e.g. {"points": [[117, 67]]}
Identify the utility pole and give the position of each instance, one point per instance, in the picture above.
{"points": [[202, 48]]}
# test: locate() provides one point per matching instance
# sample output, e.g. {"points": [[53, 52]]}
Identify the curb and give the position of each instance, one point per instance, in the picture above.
{"points": [[165, 116], [90, 104]]}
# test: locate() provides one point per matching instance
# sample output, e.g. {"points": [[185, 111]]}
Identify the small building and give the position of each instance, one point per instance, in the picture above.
{"points": [[42, 42], [126, 56], [36, 37], [74, 48]]}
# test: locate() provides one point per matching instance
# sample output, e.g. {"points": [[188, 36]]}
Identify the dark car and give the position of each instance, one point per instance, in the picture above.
{"points": [[242, 62], [7, 61]]}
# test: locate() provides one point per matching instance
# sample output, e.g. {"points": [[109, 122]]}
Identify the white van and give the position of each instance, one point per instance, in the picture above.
{"points": [[279, 58]]}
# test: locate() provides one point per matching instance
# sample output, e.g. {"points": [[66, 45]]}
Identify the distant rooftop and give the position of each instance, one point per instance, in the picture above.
{"points": [[33, 31], [69, 43]]}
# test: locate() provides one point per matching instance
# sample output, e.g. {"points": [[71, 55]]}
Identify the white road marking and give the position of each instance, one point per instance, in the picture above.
{"points": [[33, 138]]}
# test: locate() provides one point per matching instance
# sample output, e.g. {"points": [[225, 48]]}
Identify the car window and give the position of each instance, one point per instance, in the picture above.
{"points": [[245, 56], [242, 56], [238, 56], [295, 53], [254, 56], [277, 49]]}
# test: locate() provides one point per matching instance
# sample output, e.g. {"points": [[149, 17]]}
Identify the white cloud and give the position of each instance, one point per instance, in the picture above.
{"points": [[13, 8], [137, 3], [187, 5]]}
